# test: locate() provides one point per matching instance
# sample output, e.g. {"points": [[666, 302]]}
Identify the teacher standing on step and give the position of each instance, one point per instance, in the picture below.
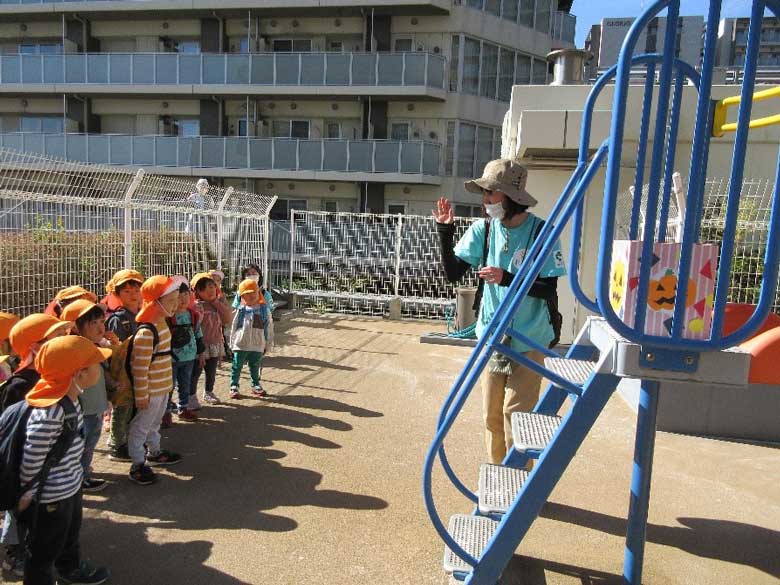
{"points": [[496, 247]]}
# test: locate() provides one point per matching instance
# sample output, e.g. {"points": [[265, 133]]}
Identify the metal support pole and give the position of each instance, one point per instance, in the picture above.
{"points": [[128, 227], [640, 482], [292, 248], [398, 234], [220, 226]]}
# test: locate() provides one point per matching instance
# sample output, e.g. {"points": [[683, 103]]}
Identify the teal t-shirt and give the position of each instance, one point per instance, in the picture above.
{"points": [[506, 249], [190, 351], [94, 399]]}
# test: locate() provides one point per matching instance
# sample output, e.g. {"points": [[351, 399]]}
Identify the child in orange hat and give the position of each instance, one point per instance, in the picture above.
{"points": [[215, 315], [251, 336], [26, 338], [89, 322], [66, 296], [152, 378], [50, 509], [7, 320]]}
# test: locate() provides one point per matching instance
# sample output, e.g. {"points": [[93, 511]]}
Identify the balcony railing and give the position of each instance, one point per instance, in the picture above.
{"points": [[564, 25], [297, 69], [278, 154]]}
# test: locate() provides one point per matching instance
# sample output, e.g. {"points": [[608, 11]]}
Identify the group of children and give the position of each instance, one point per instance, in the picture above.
{"points": [[121, 362]]}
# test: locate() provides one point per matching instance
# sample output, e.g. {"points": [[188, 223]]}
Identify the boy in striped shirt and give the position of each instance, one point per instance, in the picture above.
{"points": [[51, 514], [152, 377]]}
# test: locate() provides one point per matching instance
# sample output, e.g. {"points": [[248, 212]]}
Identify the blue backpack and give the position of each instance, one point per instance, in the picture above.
{"points": [[13, 434]]}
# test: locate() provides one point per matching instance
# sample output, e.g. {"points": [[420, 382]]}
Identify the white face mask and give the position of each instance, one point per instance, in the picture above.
{"points": [[165, 311], [495, 210], [255, 277]]}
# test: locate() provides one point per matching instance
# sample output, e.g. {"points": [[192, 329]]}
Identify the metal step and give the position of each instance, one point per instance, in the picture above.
{"points": [[532, 431], [498, 487], [575, 371], [470, 532]]}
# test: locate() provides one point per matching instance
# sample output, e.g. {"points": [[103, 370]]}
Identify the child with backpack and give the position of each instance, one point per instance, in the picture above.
{"points": [[251, 337], [50, 507], [90, 322], [7, 361], [188, 348], [149, 356], [215, 314], [123, 301], [252, 272], [26, 338]]}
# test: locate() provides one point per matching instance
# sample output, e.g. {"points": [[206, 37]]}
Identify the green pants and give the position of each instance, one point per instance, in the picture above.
{"points": [[239, 357], [120, 421]]}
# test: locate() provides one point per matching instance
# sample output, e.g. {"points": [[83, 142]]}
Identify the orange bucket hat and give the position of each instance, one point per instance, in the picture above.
{"points": [[122, 277], [7, 321], [200, 276], [151, 291], [70, 293], [57, 363], [248, 286], [78, 309], [32, 329]]}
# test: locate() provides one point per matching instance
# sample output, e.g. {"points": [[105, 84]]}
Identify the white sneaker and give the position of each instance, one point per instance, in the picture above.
{"points": [[234, 393], [193, 403], [210, 397]]}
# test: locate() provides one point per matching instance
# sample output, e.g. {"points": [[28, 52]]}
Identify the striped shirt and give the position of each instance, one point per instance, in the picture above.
{"points": [[44, 426], [152, 377]]}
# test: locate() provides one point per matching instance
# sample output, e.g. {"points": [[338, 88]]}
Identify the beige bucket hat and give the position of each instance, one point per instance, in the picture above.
{"points": [[507, 176]]}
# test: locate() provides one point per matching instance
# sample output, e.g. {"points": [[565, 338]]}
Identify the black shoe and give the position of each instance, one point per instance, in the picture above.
{"points": [[119, 454], [163, 458], [92, 485], [85, 575], [142, 475]]}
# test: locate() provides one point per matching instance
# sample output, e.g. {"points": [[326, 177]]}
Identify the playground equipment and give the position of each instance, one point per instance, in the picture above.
{"points": [[509, 498]]}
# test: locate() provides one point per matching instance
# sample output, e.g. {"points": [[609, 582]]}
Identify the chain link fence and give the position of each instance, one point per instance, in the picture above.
{"points": [[64, 223]]}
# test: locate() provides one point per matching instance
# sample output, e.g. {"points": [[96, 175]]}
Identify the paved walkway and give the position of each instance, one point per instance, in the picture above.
{"points": [[322, 484]]}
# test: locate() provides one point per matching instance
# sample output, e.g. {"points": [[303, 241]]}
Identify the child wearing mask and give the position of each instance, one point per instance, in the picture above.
{"points": [[188, 348]]}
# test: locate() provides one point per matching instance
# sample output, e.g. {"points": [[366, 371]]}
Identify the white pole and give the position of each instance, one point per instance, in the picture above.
{"points": [[292, 248], [398, 232], [267, 237], [128, 239], [220, 226]]}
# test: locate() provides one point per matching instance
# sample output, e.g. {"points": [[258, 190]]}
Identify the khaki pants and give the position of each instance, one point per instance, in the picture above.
{"points": [[501, 396]]}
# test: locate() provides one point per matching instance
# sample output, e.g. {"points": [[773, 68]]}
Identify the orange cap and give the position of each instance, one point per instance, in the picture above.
{"points": [[77, 309], [122, 277], [151, 290], [198, 277], [248, 286], [75, 292], [32, 329], [7, 321], [57, 363]]}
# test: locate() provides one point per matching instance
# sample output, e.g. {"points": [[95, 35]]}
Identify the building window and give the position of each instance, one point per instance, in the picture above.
{"points": [[471, 56], [493, 7], [466, 136], [335, 46], [243, 126], [402, 45], [484, 152], [282, 208], [449, 150], [474, 4], [489, 71], [399, 131], [506, 74], [454, 62], [330, 206], [468, 211], [509, 10], [40, 49], [290, 129], [291, 45], [243, 45], [543, 16], [189, 47], [523, 70], [187, 127], [527, 9], [540, 72], [42, 124], [333, 130], [394, 208]]}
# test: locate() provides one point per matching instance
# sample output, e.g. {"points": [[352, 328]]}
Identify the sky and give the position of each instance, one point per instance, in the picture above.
{"points": [[590, 12]]}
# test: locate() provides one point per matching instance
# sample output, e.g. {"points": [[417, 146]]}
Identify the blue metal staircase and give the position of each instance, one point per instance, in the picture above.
{"points": [[509, 498]]}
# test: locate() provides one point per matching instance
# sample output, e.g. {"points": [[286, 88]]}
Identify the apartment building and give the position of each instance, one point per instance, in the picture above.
{"points": [[605, 39], [335, 105]]}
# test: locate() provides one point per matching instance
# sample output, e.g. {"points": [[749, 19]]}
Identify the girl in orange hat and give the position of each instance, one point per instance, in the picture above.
{"points": [[50, 508]]}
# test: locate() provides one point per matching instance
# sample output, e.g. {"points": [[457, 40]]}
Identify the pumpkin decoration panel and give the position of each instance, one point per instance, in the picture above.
{"points": [[662, 292]]}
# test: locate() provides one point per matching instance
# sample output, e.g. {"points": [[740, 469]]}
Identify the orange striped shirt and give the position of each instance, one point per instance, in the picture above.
{"points": [[152, 377]]}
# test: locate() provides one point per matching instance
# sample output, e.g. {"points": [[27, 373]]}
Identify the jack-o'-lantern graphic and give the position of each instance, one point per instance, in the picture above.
{"points": [[662, 293], [617, 284]]}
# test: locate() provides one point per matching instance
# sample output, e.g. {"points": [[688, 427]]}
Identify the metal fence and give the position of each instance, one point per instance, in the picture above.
{"points": [[752, 229], [357, 262], [64, 223]]}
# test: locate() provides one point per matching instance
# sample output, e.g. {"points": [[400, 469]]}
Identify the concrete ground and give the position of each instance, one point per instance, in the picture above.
{"points": [[321, 485]]}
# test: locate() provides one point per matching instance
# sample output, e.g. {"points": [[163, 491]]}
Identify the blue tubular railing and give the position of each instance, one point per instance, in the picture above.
{"points": [[695, 196], [521, 284], [650, 59], [671, 149], [639, 177]]}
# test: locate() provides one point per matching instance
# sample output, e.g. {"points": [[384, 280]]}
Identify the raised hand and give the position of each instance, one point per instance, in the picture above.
{"points": [[443, 213]]}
